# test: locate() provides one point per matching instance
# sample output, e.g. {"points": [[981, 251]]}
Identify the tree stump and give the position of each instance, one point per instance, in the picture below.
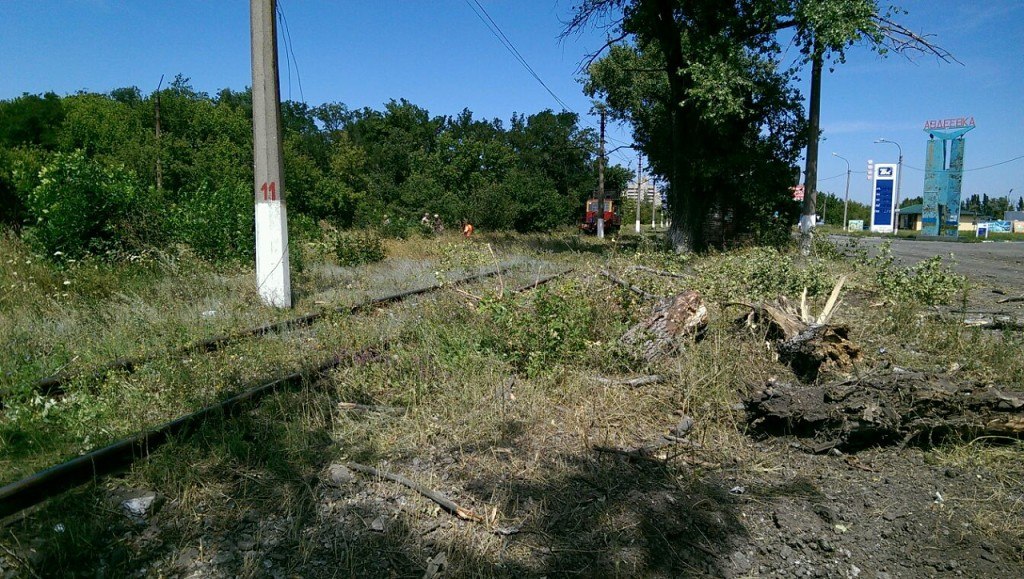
{"points": [[672, 323]]}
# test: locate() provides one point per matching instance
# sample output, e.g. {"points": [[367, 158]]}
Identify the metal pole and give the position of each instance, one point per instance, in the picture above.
{"points": [[846, 198], [639, 183], [273, 278]]}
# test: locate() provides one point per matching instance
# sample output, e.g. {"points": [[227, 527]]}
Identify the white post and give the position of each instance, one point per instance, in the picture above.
{"points": [[639, 183], [273, 279]]}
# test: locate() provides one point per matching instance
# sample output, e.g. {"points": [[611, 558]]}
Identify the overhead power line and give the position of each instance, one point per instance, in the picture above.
{"points": [[491, 25], [1017, 158]]}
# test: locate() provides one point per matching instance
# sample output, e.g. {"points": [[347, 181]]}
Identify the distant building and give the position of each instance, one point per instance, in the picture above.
{"points": [[910, 219], [647, 191], [1013, 216]]}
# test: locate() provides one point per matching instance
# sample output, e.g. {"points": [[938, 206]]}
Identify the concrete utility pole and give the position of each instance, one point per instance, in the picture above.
{"points": [[600, 182], [654, 208], [639, 184], [807, 218], [273, 278]]}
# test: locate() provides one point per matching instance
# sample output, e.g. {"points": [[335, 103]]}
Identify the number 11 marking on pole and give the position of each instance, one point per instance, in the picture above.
{"points": [[269, 191]]}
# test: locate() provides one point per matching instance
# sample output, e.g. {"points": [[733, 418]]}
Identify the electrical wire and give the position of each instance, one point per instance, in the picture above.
{"points": [[1017, 158], [289, 53], [493, 27]]}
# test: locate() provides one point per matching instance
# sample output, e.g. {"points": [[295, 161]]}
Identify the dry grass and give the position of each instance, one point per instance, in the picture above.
{"points": [[512, 441]]}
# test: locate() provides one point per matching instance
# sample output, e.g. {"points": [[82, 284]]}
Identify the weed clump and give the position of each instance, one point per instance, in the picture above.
{"points": [[358, 248]]}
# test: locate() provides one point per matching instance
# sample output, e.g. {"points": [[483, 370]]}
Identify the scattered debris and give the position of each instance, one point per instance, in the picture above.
{"points": [[445, 503], [890, 408], [672, 322], [140, 506], [1010, 300]]}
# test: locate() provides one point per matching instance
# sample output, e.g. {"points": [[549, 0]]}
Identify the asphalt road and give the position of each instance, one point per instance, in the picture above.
{"points": [[1000, 264]]}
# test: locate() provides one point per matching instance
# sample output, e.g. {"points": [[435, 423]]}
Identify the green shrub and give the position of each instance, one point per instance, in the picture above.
{"points": [[359, 247], [542, 330], [82, 206], [760, 273], [216, 223], [928, 282]]}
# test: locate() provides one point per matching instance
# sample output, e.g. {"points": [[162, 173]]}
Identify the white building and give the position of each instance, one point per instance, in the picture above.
{"points": [[647, 191]]}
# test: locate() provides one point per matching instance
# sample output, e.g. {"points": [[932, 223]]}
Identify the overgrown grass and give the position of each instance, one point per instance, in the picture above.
{"points": [[502, 404]]}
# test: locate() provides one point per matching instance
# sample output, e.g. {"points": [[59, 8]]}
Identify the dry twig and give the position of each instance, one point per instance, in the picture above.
{"points": [[445, 503], [631, 382], [629, 286]]}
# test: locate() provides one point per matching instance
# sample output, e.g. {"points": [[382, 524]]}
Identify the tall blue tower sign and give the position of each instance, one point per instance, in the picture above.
{"points": [[883, 200], [943, 175]]}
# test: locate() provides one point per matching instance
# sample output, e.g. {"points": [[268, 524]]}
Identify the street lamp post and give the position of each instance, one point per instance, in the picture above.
{"points": [[899, 182], [846, 199]]}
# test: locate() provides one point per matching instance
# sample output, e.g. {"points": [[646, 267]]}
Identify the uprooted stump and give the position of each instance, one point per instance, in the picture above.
{"points": [[898, 407], [808, 344], [672, 322]]}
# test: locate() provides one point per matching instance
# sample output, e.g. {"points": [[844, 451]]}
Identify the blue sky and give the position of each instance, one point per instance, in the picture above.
{"points": [[439, 55]]}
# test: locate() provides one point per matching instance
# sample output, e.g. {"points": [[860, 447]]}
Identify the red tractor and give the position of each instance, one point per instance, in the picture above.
{"points": [[611, 218]]}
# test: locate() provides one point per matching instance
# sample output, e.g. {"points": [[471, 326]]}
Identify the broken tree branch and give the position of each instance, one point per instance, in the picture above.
{"points": [[445, 503], [631, 382], [396, 410], [627, 285], [656, 271]]}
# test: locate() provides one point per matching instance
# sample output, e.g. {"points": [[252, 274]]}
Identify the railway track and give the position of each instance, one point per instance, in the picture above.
{"points": [[119, 456]]}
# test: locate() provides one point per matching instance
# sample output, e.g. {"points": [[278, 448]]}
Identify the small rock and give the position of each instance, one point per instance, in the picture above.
{"points": [[737, 490], [684, 426], [436, 565], [378, 524], [741, 564], [786, 552], [339, 475], [223, 557], [139, 507]]}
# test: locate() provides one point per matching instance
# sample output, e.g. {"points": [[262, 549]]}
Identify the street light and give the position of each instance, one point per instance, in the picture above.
{"points": [[899, 181], [846, 201]]}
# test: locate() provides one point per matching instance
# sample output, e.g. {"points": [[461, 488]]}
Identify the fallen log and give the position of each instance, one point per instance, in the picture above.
{"points": [[445, 503], [898, 407]]}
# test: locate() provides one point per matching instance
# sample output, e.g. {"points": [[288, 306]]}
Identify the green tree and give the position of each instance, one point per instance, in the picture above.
{"points": [[711, 105]]}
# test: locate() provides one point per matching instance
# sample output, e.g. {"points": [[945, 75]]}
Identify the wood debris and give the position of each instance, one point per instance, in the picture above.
{"points": [[808, 344], [445, 503], [673, 322]]}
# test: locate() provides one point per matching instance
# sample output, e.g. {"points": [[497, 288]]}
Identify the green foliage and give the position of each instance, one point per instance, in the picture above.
{"points": [[760, 273], [537, 332], [359, 247], [82, 206], [216, 223], [928, 282]]}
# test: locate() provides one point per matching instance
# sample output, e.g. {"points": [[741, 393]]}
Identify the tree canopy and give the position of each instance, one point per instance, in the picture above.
{"points": [[349, 168], [712, 103]]}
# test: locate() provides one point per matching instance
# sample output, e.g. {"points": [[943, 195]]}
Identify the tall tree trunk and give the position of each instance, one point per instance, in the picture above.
{"points": [[686, 231]]}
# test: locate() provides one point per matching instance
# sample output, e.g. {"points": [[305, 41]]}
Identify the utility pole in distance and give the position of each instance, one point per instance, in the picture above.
{"points": [[159, 166], [273, 278], [639, 183], [600, 182]]}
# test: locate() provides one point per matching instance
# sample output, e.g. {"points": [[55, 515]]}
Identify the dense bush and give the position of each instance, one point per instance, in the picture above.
{"points": [[359, 247], [82, 206], [217, 223]]}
